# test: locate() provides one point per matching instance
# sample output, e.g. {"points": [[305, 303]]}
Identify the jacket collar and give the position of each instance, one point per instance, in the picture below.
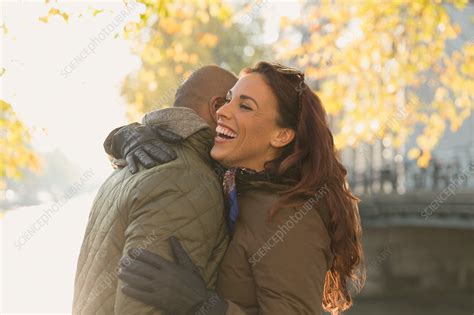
{"points": [[180, 120], [248, 179], [187, 123]]}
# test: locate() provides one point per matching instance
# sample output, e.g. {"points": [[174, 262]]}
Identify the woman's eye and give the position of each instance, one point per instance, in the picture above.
{"points": [[243, 106]]}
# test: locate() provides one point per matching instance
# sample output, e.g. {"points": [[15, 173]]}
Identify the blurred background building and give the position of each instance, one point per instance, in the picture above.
{"points": [[418, 222]]}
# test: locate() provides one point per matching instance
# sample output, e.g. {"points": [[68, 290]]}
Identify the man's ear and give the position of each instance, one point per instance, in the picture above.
{"points": [[214, 103], [282, 137]]}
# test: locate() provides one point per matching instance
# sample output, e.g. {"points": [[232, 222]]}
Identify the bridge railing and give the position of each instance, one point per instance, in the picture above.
{"points": [[452, 170]]}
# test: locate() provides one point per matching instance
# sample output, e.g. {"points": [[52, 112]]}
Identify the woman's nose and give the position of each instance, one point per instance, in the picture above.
{"points": [[224, 110]]}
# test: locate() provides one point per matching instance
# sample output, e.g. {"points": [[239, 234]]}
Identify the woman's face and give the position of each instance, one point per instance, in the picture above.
{"points": [[247, 130]]}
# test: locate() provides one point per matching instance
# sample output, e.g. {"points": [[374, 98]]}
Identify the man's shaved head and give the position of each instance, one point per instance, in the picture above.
{"points": [[203, 89]]}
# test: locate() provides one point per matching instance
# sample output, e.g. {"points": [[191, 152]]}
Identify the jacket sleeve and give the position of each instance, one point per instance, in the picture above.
{"points": [[108, 147], [183, 204], [289, 265], [114, 157]]}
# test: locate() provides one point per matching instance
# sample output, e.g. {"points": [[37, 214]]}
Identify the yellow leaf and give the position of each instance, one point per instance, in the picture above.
{"points": [[413, 153], [96, 12], [4, 28], [208, 39], [424, 160], [53, 12]]}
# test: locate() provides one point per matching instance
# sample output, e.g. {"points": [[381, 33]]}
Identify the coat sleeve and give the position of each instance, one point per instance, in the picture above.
{"points": [[183, 204], [289, 265], [114, 157], [108, 147]]}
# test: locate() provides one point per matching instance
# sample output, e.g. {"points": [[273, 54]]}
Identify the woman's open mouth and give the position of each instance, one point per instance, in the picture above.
{"points": [[224, 134]]}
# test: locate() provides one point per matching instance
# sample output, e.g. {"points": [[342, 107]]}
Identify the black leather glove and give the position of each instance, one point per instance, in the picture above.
{"points": [[145, 144], [177, 289]]}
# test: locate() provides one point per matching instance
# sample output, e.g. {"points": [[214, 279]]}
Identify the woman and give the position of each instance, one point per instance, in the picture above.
{"points": [[296, 228]]}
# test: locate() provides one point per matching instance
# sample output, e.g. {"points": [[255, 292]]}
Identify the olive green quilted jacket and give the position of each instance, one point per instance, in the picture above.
{"points": [[181, 198]]}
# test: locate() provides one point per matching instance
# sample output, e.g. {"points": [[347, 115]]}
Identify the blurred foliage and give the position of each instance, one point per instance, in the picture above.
{"points": [[175, 38], [16, 154], [172, 38], [368, 60], [53, 12]]}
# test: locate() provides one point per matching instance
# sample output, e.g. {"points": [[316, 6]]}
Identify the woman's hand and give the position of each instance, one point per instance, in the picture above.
{"points": [[174, 288], [145, 144]]}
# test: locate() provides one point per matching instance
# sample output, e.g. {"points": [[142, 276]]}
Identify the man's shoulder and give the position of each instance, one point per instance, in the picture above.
{"points": [[182, 166], [189, 192], [179, 176]]}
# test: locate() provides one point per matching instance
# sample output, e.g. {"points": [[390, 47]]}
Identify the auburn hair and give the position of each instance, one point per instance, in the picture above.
{"points": [[311, 161]]}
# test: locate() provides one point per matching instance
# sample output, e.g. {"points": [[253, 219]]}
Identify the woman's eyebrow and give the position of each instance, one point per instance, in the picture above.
{"points": [[246, 97]]}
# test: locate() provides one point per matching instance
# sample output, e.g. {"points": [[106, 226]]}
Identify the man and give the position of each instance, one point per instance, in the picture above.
{"points": [[142, 210]]}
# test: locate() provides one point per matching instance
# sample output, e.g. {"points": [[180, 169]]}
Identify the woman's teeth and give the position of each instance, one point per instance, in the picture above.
{"points": [[222, 131]]}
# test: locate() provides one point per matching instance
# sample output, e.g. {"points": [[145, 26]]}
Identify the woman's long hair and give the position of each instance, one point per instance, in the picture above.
{"points": [[310, 160]]}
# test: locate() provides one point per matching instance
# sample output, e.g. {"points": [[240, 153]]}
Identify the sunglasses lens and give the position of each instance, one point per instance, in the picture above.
{"points": [[291, 71]]}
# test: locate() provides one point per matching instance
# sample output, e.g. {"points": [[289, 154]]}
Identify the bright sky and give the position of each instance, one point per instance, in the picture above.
{"points": [[78, 110]]}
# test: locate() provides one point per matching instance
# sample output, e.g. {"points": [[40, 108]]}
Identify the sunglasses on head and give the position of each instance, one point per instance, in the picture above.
{"points": [[300, 88], [292, 71]]}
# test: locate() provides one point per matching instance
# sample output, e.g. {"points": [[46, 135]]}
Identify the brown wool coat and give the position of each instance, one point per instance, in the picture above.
{"points": [[276, 267]]}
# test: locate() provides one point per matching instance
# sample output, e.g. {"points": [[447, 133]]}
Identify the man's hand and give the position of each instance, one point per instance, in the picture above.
{"points": [[174, 288], [145, 144]]}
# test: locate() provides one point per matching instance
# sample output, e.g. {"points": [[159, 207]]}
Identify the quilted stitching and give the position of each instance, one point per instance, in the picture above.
{"points": [[183, 198]]}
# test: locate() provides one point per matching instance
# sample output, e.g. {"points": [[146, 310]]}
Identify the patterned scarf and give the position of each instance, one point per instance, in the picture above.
{"points": [[230, 190], [230, 178]]}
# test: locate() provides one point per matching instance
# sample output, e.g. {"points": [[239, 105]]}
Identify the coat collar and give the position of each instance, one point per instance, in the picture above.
{"points": [[180, 120], [185, 122]]}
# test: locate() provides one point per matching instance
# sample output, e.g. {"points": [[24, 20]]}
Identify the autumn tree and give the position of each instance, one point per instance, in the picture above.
{"points": [[174, 38], [369, 59], [16, 153]]}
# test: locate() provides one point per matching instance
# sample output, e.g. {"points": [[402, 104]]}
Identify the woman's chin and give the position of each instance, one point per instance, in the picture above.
{"points": [[218, 155]]}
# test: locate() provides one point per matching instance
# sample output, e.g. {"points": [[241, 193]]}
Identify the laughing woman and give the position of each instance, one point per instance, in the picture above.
{"points": [[296, 234]]}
